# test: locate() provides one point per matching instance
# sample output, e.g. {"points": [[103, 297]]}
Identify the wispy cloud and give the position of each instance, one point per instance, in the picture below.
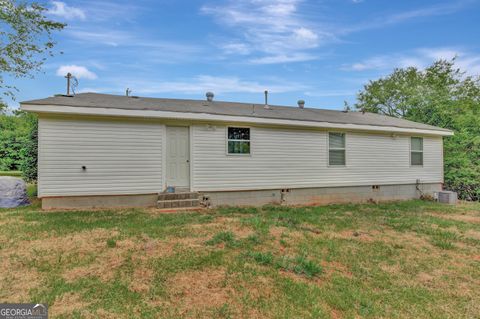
{"points": [[400, 17], [126, 38], [78, 71], [330, 93], [284, 58], [61, 9], [419, 58], [200, 84], [272, 31]]}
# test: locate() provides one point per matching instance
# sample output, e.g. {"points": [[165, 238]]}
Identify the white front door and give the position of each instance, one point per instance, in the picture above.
{"points": [[178, 156]]}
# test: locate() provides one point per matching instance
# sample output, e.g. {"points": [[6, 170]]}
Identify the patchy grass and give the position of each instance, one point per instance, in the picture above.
{"points": [[11, 173], [407, 259]]}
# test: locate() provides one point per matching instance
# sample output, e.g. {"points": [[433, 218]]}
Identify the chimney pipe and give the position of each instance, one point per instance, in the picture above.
{"points": [[68, 77], [301, 104], [266, 100], [210, 96]]}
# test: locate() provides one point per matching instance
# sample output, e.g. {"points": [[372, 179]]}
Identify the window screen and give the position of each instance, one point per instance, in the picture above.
{"points": [[416, 151], [336, 149], [238, 140]]}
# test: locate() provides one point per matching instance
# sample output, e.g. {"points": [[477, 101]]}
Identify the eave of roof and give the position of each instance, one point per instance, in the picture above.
{"points": [[211, 117]]}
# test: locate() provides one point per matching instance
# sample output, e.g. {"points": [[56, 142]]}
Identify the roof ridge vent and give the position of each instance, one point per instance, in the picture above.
{"points": [[267, 107], [209, 96]]}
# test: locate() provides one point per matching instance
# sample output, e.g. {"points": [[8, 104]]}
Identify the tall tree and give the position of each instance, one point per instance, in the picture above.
{"points": [[441, 95], [25, 40]]}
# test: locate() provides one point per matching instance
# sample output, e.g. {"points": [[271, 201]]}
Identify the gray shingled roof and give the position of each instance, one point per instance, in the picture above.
{"points": [[95, 100]]}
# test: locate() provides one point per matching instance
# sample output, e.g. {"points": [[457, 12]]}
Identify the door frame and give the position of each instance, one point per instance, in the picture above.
{"points": [[165, 150]]}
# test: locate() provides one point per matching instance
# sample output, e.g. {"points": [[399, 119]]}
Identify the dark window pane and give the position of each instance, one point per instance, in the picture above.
{"points": [[336, 157], [235, 147], [417, 158], [238, 133], [336, 140]]}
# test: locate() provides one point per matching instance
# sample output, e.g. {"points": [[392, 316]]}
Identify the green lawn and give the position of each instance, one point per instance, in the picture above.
{"points": [[399, 260]]}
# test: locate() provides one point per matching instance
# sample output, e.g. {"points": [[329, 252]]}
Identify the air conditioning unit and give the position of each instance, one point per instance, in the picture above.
{"points": [[447, 197]]}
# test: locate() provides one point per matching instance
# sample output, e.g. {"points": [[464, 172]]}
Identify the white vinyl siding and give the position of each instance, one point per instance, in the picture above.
{"points": [[336, 149], [121, 157], [289, 158], [126, 157]]}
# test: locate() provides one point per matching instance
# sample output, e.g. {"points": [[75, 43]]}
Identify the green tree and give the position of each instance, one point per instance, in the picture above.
{"points": [[441, 95], [29, 152], [14, 130], [25, 40]]}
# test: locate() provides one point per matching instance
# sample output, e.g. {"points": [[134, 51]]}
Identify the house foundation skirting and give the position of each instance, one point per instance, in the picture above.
{"points": [[322, 195], [101, 201], [294, 196]]}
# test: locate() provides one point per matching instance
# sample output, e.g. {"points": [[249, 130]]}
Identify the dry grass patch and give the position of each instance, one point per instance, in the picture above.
{"points": [[68, 303], [142, 279], [16, 280], [199, 290], [107, 261]]}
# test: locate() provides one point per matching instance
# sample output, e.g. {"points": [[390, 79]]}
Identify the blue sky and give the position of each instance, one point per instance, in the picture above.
{"points": [[319, 51]]}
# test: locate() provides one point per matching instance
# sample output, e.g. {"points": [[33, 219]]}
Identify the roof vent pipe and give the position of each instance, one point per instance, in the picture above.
{"points": [[210, 96], [301, 104], [266, 100]]}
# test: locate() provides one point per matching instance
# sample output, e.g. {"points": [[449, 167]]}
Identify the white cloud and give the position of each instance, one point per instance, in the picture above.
{"points": [[61, 9], [202, 83], [330, 93], [281, 58], [236, 48], [274, 31], [419, 58], [153, 50], [78, 71], [384, 20]]}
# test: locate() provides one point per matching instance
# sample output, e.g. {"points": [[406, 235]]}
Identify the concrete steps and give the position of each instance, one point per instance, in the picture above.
{"points": [[178, 200]]}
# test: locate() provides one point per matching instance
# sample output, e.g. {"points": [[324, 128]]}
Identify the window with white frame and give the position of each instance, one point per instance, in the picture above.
{"points": [[336, 149], [238, 140], [416, 151]]}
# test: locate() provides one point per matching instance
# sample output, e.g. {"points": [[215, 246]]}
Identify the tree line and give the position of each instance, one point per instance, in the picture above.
{"points": [[440, 95]]}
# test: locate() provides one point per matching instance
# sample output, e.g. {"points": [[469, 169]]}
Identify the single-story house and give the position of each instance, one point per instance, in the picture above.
{"points": [[99, 150]]}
